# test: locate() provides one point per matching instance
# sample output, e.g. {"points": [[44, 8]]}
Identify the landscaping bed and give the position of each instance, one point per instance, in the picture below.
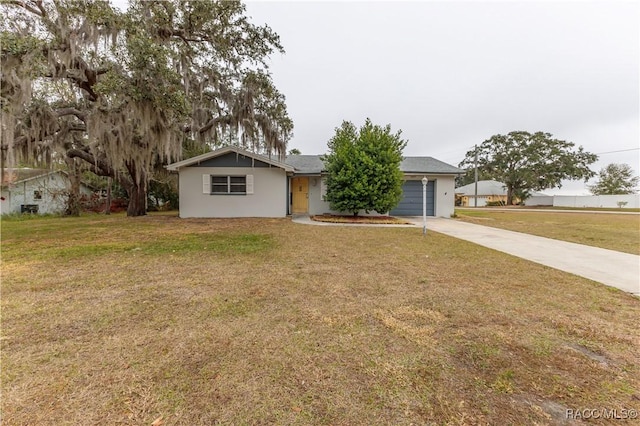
{"points": [[376, 220]]}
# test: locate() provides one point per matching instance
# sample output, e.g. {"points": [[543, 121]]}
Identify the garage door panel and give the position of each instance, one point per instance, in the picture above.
{"points": [[411, 202]]}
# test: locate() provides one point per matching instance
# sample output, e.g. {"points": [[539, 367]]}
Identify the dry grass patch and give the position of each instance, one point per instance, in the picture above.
{"points": [[271, 322], [611, 231], [414, 324]]}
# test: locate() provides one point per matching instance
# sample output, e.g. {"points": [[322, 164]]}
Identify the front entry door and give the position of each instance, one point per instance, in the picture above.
{"points": [[300, 190]]}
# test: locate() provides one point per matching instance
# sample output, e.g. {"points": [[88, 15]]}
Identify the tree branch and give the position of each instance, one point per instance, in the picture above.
{"points": [[72, 111], [86, 85], [24, 5], [97, 166]]}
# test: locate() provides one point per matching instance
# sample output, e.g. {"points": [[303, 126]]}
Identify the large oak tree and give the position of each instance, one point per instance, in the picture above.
{"points": [[527, 162], [122, 92]]}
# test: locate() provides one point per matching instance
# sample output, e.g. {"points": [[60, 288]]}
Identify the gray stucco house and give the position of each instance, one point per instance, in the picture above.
{"points": [[232, 182]]}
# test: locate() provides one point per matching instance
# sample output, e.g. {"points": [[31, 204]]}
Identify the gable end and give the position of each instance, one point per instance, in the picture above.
{"points": [[231, 159]]}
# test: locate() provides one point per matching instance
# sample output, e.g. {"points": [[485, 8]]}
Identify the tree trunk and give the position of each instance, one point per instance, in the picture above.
{"points": [[134, 184], [509, 196], [107, 209], [73, 197], [137, 200], [137, 190]]}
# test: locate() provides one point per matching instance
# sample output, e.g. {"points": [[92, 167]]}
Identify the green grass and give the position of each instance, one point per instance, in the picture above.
{"points": [[176, 245], [148, 242], [610, 231], [270, 322]]}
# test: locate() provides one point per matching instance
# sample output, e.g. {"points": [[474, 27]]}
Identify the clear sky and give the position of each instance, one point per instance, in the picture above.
{"points": [[450, 74]]}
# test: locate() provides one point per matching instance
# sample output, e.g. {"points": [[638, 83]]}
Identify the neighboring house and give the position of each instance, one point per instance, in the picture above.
{"points": [[489, 191], [40, 191], [232, 182]]}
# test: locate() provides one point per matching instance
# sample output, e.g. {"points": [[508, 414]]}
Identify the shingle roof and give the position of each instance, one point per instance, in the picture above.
{"points": [[490, 187], [485, 187], [312, 164], [13, 176], [427, 165]]}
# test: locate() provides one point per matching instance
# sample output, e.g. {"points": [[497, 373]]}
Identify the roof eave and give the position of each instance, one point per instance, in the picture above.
{"points": [[35, 177], [175, 167], [432, 173], [7, 185], [307, 173]]}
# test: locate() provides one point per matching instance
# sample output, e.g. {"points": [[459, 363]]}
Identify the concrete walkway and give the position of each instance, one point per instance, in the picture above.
{"points": [[609, 267]]}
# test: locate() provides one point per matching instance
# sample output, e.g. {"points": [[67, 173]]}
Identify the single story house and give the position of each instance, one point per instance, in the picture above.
{"points": [[27, 190], [232, 182], [488, 191]]}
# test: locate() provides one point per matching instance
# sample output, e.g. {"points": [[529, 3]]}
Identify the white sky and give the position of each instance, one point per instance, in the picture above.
{"points": [[451, 74]]}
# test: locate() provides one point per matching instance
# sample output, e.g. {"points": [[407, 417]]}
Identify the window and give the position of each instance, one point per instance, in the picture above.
{"points": [[228, 184], [29, 208], [37, 195]]}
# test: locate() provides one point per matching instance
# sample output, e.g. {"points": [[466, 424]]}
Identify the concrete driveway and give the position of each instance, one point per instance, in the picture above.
{"points": [[612, 268]]}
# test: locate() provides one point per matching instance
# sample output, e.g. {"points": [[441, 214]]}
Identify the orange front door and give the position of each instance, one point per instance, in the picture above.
{"points": [[300, 190]]}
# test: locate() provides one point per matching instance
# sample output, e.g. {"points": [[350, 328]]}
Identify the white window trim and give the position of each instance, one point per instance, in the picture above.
{"points": [[207, 184]]}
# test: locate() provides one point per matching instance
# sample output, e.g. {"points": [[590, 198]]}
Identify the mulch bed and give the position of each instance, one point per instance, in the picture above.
{"points": [[377, 220]]}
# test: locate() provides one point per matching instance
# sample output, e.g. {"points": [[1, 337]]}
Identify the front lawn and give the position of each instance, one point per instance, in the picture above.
{"points": [[620, 232], [114, 320]]}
